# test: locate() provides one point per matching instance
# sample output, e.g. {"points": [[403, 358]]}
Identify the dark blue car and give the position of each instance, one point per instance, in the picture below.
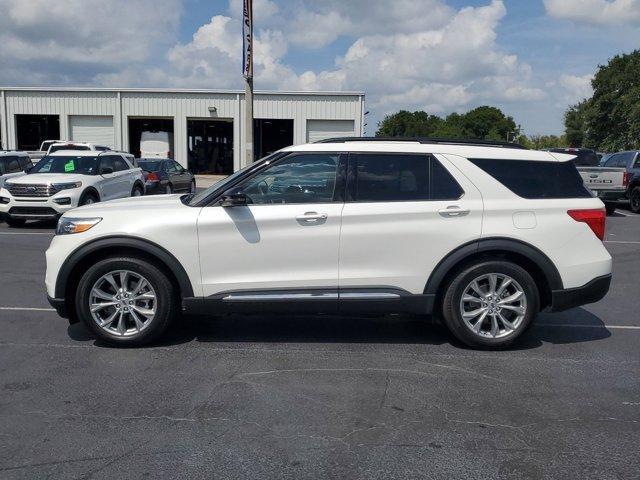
{"points": [[163, 175]]}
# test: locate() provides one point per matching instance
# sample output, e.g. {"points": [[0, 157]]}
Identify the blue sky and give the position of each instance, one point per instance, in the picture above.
{"points": [[532, 58]]}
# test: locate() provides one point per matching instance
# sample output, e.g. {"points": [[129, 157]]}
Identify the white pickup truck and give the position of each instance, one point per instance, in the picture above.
{"points": [[607, 183]]}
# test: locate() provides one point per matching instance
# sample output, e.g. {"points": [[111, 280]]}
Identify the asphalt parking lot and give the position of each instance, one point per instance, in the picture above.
{"points": [[289, 397]]}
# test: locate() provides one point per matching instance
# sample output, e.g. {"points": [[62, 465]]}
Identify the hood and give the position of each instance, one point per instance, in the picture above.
{"points": [[153, 205], [46, 178]]}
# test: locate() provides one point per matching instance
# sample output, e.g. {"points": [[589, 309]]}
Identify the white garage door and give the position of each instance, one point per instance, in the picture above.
{"points": [[92, 129], [321, 129]]}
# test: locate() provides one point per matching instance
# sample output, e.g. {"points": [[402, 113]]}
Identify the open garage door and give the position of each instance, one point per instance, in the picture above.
{"points": [[155, 126], [210, 146], [323, 129], [32, 130], [92, 129]]}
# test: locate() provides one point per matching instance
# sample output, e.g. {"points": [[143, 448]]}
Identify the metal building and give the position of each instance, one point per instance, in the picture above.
{"points": [[204, 126]]}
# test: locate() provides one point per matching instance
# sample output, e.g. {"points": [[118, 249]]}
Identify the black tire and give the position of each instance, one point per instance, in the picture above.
{"points": [[455, 290], [88, 198], [15, 222], [137, 189], [634, 200], [611, 208], [166, 307]]}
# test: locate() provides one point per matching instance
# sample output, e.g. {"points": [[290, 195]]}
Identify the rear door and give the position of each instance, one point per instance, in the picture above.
{"points": [[109, 183], [404, 213], [282, 245], [123, 176]]}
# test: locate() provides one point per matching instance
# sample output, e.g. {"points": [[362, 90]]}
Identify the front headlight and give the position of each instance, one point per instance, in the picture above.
{"points": [[67, 225], [66, 186]]}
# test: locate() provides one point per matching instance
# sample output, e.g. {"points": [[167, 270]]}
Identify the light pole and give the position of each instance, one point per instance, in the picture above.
{"points": [[247, 57]]}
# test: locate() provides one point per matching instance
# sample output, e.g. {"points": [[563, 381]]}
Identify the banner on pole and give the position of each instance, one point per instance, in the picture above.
{"points": [[247, 39]]}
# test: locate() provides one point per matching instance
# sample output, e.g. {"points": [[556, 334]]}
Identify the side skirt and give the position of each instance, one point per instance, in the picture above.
{"points": [[350, 301]]}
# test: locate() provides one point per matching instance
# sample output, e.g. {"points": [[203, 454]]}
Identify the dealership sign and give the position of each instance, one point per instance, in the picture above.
{"points": [[247, 39]]}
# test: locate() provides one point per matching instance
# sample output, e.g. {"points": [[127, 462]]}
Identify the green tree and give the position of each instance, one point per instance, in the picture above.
{"points": [[408, 124], [488, 123], [575, 124], [610, 120]]}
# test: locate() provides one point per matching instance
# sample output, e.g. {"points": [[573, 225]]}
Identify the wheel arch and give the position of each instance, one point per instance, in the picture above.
{"points": [[96, 250], [537, 264], [89, 190]]}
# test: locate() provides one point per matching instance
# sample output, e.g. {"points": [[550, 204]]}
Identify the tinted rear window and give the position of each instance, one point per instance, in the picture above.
{"points": [[534, 179]]}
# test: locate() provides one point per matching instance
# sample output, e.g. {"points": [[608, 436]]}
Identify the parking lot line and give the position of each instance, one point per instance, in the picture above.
{"points": [[571, 325], [27, 309], [622, 241], [27, 233]]}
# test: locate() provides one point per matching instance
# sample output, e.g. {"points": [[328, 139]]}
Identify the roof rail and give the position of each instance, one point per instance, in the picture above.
{"points": [[426, 141]]}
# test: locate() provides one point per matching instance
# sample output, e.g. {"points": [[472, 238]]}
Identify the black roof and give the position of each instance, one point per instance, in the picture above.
{"points": [[427, 141]]}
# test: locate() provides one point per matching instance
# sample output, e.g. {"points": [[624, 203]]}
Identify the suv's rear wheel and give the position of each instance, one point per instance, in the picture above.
{"points": [[125, 301], [490, 304]]}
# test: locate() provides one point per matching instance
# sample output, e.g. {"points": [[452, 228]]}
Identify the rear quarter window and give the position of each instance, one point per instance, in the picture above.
{"points": [[534, 179]]}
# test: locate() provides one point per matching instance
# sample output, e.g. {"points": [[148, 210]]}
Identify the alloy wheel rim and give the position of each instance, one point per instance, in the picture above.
{"points": [[122, 303], [137, 193], [493, 305]]}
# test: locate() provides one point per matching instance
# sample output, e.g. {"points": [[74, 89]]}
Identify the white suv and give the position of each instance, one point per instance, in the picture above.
{"points": [[67, 179], [484, 236]]}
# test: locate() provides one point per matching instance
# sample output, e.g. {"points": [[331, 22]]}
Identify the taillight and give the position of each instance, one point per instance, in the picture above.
{"points": [[595, 218], [625, 179], [152, 177]]}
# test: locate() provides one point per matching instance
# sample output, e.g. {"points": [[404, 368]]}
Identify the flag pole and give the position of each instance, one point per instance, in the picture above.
{"points": [[247, 28]]}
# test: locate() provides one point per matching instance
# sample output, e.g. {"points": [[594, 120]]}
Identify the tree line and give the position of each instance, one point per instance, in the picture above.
{"points": [[608, 121]]}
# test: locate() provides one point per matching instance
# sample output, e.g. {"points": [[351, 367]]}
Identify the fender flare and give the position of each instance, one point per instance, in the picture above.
{"points": [[493, 244], [145, 246], [89, 189]]}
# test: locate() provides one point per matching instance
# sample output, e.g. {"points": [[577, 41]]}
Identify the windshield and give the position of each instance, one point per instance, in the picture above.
{"points": [[55, 148], [66, 164], [150, 166], [197, 198]]}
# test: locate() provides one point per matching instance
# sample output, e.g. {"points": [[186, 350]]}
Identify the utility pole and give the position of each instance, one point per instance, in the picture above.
{"points": [[247, 57]]}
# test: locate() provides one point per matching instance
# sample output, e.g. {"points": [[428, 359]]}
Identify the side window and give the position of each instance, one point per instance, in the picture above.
{"points": [[13, 166], [177, 166], [636, 164], [402, 177], [626, 159], [25, 162], [301, 178], [106, 162], [119, 164], [170, 167]]}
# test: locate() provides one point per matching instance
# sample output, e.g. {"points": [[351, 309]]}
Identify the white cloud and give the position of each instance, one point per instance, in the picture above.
{"points": [[595, 11], [574, 88]]}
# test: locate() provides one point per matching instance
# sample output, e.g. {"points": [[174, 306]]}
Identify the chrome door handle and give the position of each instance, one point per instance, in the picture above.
{"points": [[454, 211], [312, 217]]}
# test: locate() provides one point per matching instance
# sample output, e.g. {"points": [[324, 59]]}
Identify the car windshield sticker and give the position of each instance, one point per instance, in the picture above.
{"points": [[69, 166]]}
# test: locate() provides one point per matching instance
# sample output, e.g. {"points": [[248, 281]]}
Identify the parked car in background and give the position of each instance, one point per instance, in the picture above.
{"points": [[156, 144], [44, 147], [608, 184], [55, 147], [13, 164], [67, 179], [483, 236], [630, 162], [163, 175]]}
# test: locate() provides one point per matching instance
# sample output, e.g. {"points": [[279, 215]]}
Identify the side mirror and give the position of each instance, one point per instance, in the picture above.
{"points": [[106, 170], [233, 198]]}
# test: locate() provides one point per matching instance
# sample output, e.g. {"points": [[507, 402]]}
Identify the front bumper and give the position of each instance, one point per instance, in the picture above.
{"points": [[40, 208], [591, 292]]}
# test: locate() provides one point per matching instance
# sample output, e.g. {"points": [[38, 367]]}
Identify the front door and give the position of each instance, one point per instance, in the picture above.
{"points": [[404, 213], [282, 245], [108, 186]]}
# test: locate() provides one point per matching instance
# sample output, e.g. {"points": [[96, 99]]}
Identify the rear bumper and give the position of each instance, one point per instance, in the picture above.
{"points": [[591, 292], [610, 195]]}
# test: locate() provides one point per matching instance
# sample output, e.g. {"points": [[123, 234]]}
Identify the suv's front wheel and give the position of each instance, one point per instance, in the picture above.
{"points": [[125, 301], [490, 304]]}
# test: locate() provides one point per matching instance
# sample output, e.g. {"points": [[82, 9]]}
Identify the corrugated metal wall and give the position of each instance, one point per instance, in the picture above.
{"points": [[178, 105]]}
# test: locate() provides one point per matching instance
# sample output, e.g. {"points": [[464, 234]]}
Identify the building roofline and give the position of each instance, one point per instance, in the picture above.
{"points": [[176, 90]]}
